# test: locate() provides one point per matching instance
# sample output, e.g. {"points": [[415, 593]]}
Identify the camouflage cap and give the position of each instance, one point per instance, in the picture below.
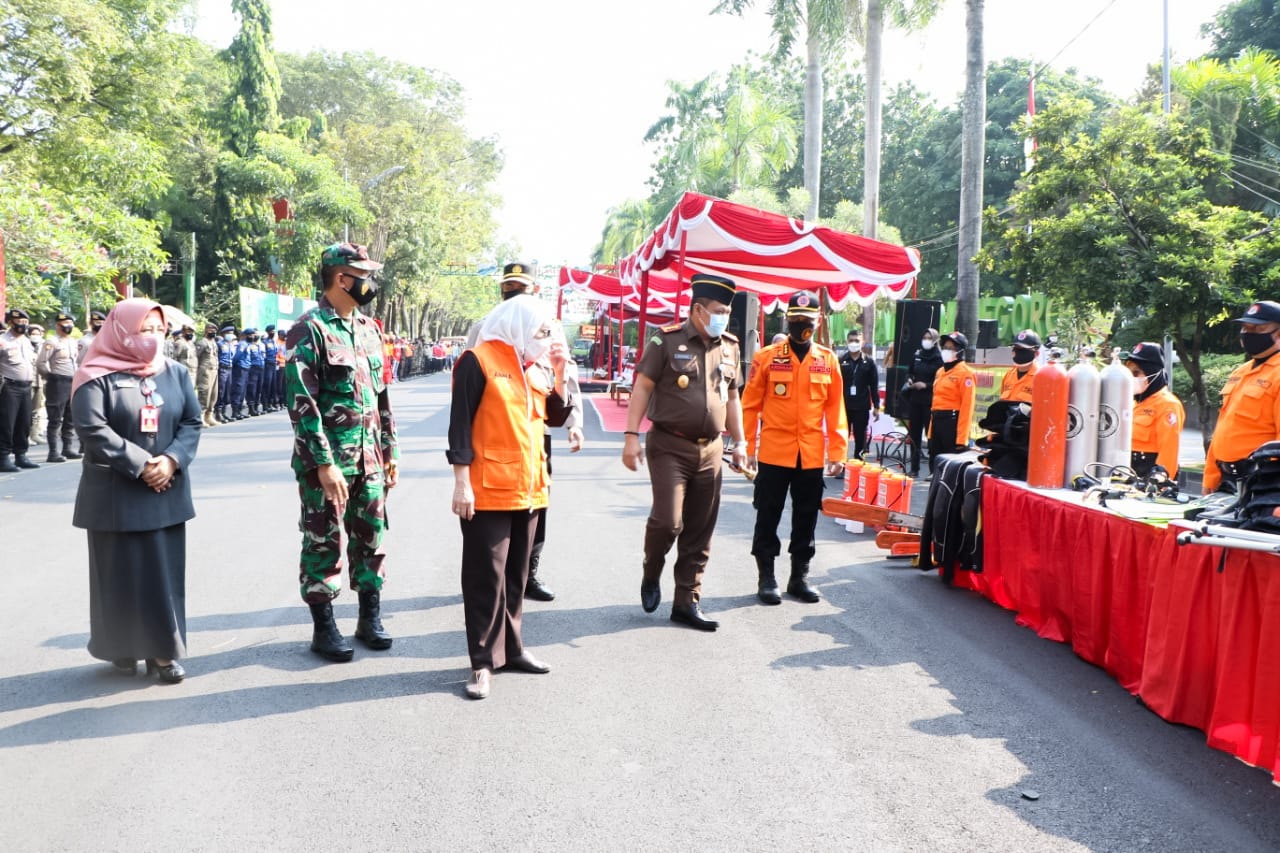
{"points": [[348, 255]]}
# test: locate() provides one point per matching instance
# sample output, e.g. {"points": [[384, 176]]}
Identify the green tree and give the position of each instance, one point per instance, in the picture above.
{"points": [[1124, 223], [1242, 25]]}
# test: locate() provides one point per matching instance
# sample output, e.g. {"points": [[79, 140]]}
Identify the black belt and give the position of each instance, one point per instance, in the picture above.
{"points": [[952, 412], [16, 381], [1236, 471], [678, 434]]}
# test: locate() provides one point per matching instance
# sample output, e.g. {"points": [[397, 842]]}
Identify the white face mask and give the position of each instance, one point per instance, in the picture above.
{"points": [[948, 356], [926, 344], [538, 347]]}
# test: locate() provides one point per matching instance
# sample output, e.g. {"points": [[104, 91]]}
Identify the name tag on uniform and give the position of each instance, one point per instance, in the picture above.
{"points": [[149, 420], [126, 383], [683, 356]]}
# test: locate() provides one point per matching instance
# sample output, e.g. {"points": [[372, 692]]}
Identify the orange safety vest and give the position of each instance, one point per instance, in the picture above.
{"points": [[509, 470], [801, 404], [1249, 417], [955, 390], [1157, 428], [1017, 387]]}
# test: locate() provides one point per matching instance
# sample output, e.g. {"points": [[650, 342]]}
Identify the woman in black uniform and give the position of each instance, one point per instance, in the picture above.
{"points": [[920, 375]]}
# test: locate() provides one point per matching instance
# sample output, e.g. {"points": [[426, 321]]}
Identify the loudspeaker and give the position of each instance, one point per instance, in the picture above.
{"points": [[914, 316], [744, 324], [988, 334]]}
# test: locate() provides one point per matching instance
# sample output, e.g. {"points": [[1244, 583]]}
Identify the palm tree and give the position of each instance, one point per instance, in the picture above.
{"points": [[626, 227]]}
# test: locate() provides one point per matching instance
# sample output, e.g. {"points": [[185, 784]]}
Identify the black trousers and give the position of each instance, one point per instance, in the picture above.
{"points": [[57, 404], [917, 422], [942, 435], [859, 417], [495, 568], [773, 482], [15, 417], [540, 535]]}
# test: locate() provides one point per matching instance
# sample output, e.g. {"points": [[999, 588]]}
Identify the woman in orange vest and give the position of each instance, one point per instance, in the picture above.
{"points": [[496, 427], [1157, 414], [954, 391]]}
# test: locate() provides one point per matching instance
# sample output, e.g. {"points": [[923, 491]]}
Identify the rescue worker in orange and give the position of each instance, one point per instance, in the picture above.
{"points": [[795, 399], [501, 403], [1250, 413], [1157, 414], [1017, 383], [954, 391]]}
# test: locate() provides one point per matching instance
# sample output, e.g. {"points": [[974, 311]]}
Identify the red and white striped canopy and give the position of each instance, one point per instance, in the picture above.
{"points": [[770, 254]]}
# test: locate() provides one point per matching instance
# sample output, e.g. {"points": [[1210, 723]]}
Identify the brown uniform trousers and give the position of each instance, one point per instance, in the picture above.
{"points": [[685, 476]]}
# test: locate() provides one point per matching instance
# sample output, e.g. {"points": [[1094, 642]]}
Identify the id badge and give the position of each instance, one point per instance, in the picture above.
{"points": [[150, 420]]}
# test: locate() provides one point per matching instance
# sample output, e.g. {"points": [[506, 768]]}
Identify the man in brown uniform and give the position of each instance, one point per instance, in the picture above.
{"points": [[687, 382]]}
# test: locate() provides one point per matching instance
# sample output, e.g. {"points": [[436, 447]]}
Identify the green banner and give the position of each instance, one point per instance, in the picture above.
{"points": [[1033, 311], [259, 309]]}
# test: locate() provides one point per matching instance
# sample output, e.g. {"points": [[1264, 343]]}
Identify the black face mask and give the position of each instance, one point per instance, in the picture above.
{"points": [[97, 327], [800, 333], [363, 290], [19, 328], [189, 335], [209, 335], [1023, 356], [1256, 343], [66, 330]]}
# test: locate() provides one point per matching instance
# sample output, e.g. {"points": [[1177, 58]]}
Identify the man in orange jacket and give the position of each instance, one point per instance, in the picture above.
{"points": [[1157, 414], [954, 394], [1250, 413], [795, 399], [1017, 383]]}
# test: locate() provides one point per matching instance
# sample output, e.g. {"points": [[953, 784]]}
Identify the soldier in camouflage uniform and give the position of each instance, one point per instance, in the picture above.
{"points": [[344, 449]]}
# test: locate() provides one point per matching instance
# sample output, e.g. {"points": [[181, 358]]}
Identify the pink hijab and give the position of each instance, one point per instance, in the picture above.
{"points": [[119, 347]]}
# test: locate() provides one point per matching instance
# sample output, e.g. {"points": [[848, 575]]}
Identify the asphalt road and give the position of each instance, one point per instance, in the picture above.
{"points": [[894, 715]]}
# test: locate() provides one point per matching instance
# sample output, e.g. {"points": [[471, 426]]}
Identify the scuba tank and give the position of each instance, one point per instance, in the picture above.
{"points": [[1047, 448], [1115, 414], [1082, 418]]}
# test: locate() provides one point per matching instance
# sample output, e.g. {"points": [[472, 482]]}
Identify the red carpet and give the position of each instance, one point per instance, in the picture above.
{"points": [[612, 414]]}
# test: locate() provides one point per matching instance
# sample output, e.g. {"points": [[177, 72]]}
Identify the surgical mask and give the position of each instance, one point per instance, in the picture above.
{"points": [[855, 350], [1140, 384], [229, 337], [1256, 343], [948, 356], [800, 332], [717, 324], [1023, 356], [926, 344], [537, 348]]}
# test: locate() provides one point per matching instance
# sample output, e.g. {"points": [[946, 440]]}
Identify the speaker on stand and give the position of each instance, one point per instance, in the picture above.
{"points": [[744, 324], [912, 318], [988, 332]]}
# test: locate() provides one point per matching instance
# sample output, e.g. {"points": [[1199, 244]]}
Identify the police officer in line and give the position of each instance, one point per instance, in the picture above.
{"points": [[226, 359], [184, 350], [17, 373], [1158, 416], [954, 397], [56, 365], [687, 383], [96, 319], [1018, 383], [796, 398], [1250, 413], [267, 391], [39, 417], [345, 451], [257, 363], [517, 280], [241, 363], [206, 375], [860, 381]]}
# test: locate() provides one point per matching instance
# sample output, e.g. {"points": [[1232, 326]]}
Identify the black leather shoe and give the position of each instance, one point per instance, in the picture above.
{"points": [[691, 615], [798, 587], [767, 587], [327, 641], [24, 462], [170, 673], [369, 628], [71, 454], [7, 466], [54, 457], [650, 595]]}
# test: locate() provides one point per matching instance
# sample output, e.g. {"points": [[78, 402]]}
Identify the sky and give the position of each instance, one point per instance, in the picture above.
{"points": [[569, 87]]}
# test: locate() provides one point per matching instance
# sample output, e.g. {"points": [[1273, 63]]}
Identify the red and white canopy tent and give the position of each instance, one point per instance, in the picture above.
{"points": [[620, 303], [767, 253]]}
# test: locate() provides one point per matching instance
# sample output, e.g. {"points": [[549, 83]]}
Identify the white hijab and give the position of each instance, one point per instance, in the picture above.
{"points": [[515, 321]]}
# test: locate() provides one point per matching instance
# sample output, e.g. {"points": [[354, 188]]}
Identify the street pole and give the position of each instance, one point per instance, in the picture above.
{"points": [[189, 279], [1167, 105]]}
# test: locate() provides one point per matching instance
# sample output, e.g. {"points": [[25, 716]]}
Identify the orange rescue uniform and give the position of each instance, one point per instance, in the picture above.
{"points": [[509, 471], [1157, 428], [1249, 417], [1016, 386], [801, 404], [956, 390]]}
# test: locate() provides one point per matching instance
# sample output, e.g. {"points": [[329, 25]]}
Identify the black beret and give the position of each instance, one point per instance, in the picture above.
{"points": [[717, 287]]}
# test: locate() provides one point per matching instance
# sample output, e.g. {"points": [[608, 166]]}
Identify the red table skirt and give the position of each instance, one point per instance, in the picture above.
{"points": [[1201, 647]]}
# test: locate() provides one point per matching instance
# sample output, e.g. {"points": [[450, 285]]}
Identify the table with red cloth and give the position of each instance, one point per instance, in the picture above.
{"points": [[1198, 645]]}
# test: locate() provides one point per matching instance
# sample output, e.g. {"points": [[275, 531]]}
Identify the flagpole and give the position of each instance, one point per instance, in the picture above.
{"points": [[1166, 57]]}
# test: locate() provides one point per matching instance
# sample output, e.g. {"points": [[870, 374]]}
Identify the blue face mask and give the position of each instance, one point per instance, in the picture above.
{"points": [[717, 324]]}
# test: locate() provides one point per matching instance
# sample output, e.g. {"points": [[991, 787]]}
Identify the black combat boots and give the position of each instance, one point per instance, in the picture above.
{"points": [[767, 591], [798, 586], [327, 641], [369, 628], [536, 589]]}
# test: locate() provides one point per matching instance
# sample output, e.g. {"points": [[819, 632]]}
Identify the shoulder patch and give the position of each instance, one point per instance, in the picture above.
{"points": [[673, 327]]}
